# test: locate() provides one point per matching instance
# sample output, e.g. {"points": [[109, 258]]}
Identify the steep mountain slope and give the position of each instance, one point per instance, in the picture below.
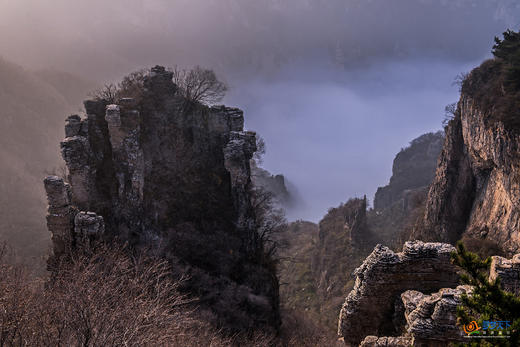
{"points": [[274, 184], [413, 168], [399, 204], [315, 268], [475, 193]]}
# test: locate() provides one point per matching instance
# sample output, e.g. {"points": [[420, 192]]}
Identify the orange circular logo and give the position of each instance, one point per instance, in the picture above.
{"points": [[471, 327]]}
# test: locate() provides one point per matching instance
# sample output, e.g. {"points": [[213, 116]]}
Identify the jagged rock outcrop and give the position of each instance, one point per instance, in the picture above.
{"points": [[317, 257], [413, 168], [508, 270], [274, 184], [172, 176], [343, 241], [475, 193], [431, 320], [60, 217], [369, 309], [401, 297]]}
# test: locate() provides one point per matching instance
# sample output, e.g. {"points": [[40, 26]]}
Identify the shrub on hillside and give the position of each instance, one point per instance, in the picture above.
{"points": [[495, 84], [488, 302], [109, 298]]}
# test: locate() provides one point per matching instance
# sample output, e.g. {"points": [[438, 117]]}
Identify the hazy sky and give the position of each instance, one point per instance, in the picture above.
{"points": [[336, 87]]}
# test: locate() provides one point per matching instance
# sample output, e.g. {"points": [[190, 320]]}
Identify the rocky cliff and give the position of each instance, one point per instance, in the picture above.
{"points": [[413, 168], [398, 205], [274, 184], [475, 193], [174, 177]]}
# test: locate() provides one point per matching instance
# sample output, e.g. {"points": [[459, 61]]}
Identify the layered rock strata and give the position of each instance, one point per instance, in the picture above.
{"points": [[508, 271], [431, 320], [369, 309], [386, 302]]}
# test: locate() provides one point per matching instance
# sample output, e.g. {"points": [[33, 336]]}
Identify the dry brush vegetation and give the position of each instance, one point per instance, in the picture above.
{"points": [[115, 297]]}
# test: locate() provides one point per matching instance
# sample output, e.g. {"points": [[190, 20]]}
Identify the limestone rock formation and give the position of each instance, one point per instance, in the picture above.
{"points": [[508, 270], [475, 193], [369, 309], [60, 217], [349, 220], [432, 319], [165, 174], [344, 240], [411, 298]]}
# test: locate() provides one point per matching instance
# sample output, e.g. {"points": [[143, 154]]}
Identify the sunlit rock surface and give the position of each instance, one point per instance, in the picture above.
{"points": [[476, 190]]}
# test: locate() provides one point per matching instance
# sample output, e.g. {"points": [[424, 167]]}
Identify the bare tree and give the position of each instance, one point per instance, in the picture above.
{"points": [[449, 113], [459, 80], [108, 93], [199, 85], [196, 85], [271, 224], [109, 298], [132, 85]]}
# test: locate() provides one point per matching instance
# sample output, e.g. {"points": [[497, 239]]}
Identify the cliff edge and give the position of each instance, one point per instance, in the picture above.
{"points": [[475, 192]]}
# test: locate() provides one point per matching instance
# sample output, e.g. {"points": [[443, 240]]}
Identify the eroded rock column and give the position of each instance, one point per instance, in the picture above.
{"points": [[237, 153], [60, 217]]}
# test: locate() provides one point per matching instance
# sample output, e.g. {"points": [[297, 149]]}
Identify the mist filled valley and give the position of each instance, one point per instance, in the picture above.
{"points": [[365, 158]]}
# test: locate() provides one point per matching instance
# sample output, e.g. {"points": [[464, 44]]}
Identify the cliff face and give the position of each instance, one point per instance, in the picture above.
{"points": [[398, 205], [274, 184], [413, 168], [173, 177], [475, 193]]}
